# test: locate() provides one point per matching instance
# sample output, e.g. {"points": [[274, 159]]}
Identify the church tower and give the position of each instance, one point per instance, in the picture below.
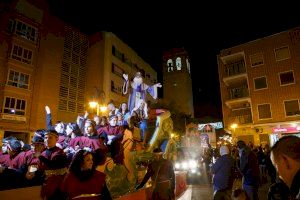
{"points": [[177, 81]]}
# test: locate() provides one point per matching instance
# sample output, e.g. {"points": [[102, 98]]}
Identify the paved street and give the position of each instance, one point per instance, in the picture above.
{"points": [[197, 192], [199, 189]]}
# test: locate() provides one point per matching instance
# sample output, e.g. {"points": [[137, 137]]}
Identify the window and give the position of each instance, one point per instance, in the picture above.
{"points": [[257, 59], [291, 107], [115, 88], [170, 65], [117, 70], [264, 111], [178, 63], [14, 106], [282, 53], [18, 79], [260, 83], [24, 30], [21, 54], [286, 78], [188, 65]]}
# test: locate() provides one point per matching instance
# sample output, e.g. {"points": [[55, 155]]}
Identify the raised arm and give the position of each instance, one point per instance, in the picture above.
{"points": [[48, 118], [125, 84]]}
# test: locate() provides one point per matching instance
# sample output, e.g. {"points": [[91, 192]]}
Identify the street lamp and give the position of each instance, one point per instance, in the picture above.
{"points": [[94, 104]]}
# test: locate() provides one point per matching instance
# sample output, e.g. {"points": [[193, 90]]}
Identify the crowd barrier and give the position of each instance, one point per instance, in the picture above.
{"points": [[33, 193]]}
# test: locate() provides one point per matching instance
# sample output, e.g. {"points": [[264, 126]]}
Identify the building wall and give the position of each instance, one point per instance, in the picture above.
{"points": [[66, 68], [125, 60], [274, 94]]}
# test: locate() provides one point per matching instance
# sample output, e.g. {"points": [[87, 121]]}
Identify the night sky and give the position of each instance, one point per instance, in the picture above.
{"points": [[202, 29]]}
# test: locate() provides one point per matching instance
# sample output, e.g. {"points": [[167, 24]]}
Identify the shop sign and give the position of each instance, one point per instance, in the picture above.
{"points": [[14, 117], [287, 130]]}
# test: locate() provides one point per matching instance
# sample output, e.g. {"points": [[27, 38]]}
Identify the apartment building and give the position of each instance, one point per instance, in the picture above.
{"points": [[259, 83], [45, 61], [115, 58]]}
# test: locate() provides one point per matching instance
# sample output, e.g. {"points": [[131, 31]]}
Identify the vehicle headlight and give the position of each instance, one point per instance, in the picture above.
{"points": [[177, 165], [193, 164], [185, 165]]}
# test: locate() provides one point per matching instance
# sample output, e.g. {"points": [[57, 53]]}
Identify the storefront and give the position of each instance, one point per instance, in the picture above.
{"points": [[277, 133]]}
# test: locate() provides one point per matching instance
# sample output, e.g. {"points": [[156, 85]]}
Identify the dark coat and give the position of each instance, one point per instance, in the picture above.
{"points": [[223, 172]]}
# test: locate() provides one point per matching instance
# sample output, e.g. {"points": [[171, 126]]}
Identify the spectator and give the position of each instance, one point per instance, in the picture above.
{"points": [[285, 156], [83, 180], [223, 171], [249, 169]]}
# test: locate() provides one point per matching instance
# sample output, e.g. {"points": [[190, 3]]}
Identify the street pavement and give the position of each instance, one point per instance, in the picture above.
{"points": [[200, 189]]}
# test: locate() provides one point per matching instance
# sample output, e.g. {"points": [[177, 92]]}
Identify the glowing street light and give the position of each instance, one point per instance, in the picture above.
{"points": [[103, 108], [93, 105], [234, 126]]}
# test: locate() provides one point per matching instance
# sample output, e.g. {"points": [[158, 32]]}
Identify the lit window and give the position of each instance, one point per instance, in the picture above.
{"points": [[14, 106], [178, 63], [188, 65], [170, 65]]}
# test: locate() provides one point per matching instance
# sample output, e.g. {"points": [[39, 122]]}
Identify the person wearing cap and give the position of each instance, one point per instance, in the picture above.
{"points": [[285, 156], [162, 175], [223, 174], [138, 90], [53, 161], [9, 169], [250, 170], [30, 162]]}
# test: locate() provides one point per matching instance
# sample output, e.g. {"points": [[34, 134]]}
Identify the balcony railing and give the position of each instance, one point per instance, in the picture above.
{"points": [[240, 92], [241, 119], [235, 68]]}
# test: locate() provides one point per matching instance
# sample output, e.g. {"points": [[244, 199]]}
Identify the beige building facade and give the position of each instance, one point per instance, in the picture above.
{"points": [[260, 87], [44, 61]]}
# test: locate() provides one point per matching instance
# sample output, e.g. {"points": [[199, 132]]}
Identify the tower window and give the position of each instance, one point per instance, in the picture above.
{"points": [[170, 65], [178, 63], [188, 65]]}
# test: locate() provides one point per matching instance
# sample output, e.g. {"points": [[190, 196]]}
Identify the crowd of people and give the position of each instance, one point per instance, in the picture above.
{"points": [[66, 158], [240, 170]]}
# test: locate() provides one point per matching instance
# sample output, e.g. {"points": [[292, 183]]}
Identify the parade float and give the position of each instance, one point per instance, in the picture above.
{"points": [[122, 179]]}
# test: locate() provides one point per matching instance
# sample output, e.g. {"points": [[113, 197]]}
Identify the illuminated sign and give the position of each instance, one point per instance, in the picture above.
{"points": [[215, 125], [288, 129]]}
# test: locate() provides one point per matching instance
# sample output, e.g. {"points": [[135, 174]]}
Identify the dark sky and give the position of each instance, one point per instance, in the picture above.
{"points": [[202, 29]]}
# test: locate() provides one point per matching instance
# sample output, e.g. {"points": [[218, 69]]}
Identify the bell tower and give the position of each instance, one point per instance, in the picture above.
{"points": [[177, 81]]}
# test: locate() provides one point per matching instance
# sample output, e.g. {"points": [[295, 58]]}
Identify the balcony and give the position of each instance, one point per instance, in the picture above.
{"points": [[238, 95], [235, 72], [241, 119], [240, 115]]}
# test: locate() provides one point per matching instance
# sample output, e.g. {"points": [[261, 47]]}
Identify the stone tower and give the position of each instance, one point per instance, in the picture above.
{"points": [[177, 81]]}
